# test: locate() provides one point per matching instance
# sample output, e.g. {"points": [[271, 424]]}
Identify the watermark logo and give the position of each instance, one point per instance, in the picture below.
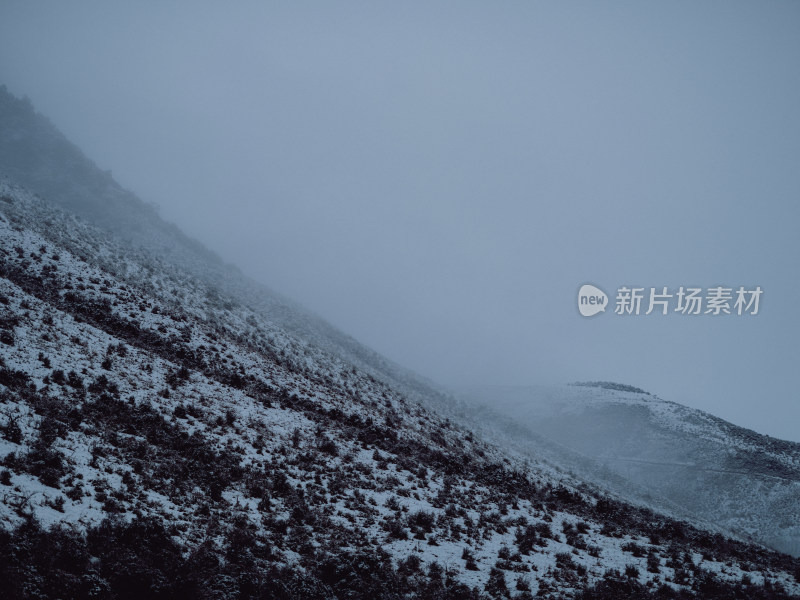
{"points": [[685, 300], [591, 300]]}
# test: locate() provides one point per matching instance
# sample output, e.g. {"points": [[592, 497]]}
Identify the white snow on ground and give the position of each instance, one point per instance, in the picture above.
{"points": [[262, 429]]}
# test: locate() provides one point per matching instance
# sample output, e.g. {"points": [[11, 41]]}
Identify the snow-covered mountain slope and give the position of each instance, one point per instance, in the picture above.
{"points": [[659, 452], [165, 435]]}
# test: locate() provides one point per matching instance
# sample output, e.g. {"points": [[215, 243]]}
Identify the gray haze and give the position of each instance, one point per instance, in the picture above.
{"points": [[437, 179]]}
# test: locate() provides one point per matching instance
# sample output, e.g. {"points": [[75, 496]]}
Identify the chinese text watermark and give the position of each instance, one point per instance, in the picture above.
{"points": [[684, 300]]}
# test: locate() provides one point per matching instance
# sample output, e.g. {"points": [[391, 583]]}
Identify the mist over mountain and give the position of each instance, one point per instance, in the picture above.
{"points": [[437, 181], [35, 154], [172, 429]]}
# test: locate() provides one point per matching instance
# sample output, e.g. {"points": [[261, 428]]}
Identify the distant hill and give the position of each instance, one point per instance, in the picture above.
{"points": [[659, 452]]}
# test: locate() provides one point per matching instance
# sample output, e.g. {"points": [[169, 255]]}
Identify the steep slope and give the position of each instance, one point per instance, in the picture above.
{"points": [[659, 452], [163, 435]]}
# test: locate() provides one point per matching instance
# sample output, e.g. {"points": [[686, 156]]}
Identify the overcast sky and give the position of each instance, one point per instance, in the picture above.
{"points": [[437, 179]]}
